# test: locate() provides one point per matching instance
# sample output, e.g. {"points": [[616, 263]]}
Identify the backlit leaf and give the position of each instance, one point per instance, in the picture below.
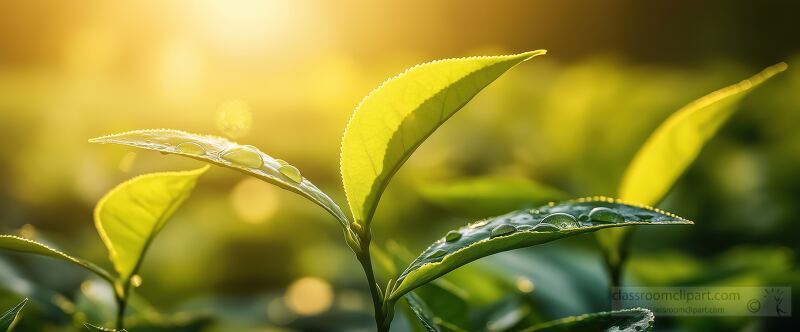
{"points": [[481, 197], [675, 144], [222, 152], [18, 244], [130, 216], [392, 121], [525, 228], [8, 317], [639, 320]]}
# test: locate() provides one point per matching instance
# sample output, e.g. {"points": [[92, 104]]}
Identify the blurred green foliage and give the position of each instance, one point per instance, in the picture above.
{"points": [[570, 121]]}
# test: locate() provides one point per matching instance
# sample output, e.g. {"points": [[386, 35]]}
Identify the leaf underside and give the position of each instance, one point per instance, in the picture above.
{"points": [[132, 214], [676, 143], [395, 118], [23, 245], [8, 317], [481, 239], [638, 319], [211, 149]]}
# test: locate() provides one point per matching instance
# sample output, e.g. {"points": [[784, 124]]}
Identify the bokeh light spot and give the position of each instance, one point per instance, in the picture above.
{"points": [[234, 118], [524, 285], [254, 201], [309, 296]]}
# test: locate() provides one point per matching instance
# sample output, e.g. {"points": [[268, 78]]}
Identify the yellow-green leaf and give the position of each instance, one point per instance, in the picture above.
{"points": [[393, 120], [132, 214], [222, 152], [673, 147], [678, 141], [23, 245]]}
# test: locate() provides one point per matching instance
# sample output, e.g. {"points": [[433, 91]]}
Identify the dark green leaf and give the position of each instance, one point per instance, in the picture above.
{"points": [[422, 312], [9, 316], [103, 329], [635, 320], [525, 228]]}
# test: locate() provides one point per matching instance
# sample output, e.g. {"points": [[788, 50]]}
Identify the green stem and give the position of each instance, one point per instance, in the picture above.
{"points": [[616, 264], [121, 294], [121, 304], [365, 259]]}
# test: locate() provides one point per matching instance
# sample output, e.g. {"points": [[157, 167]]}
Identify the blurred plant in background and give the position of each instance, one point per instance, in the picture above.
{"points": [[70, 71]]}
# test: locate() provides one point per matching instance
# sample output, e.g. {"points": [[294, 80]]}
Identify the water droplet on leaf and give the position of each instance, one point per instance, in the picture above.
{"points": [[191, 148], [545, 227], [644, 216], [437, 253], [583, 218], [561, 220], [291, 172], [245, 156], [605, 215], [523, 228], [503, 229], [452, 236]]}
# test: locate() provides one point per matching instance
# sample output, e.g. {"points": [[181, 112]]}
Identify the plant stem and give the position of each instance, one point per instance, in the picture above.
{"points": [[121, 295], [617, 264], [365, 259], [121, 304]]}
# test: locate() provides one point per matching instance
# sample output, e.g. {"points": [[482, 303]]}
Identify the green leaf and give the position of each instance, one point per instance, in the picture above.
{"points": [[524, 228], [102, 329], [481, 197], [18, 244], [8, 317], [675, 144], [130, 216], [394, 119], [222, 152], [420, 309], [638, 319]]}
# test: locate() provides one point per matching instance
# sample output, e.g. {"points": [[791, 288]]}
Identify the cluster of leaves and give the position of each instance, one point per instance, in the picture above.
{"points": [[383, 132], [127, 218]]}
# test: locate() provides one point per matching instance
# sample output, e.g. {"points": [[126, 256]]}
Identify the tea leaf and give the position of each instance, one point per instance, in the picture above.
{"points": [[8, 317], [222, 152], [675, 144], [395, 118], [130, 216], [525, 228], [481, 197], [18, 244], [638, 319], [102, 329], [420, 309]]}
